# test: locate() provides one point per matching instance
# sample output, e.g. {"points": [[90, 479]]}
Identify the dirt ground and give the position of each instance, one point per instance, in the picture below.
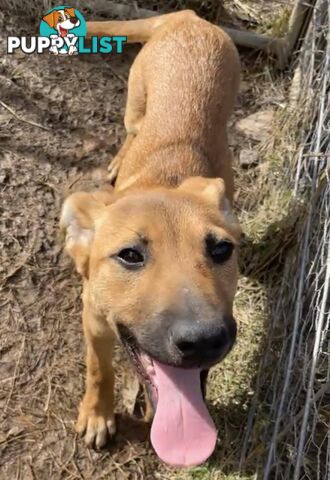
{"points": [[78, 106]]}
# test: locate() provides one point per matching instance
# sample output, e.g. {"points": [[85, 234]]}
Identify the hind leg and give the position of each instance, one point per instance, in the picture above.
{"points": [[134, 114]]}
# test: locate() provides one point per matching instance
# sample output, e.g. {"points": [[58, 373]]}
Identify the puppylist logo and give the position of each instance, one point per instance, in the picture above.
{"points": [[63, 32]]}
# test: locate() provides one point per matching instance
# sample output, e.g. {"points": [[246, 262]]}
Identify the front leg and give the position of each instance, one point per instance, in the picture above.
{"points": [[115, 163], [96, 418]]}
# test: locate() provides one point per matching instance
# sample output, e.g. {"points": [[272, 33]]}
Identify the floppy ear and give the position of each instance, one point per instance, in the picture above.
{"points": [[212, 190], [70, 11], [79, 214], [51, 18]]}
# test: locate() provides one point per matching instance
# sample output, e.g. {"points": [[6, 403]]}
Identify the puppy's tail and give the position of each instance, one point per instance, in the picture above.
{"points": [[137, 31]]}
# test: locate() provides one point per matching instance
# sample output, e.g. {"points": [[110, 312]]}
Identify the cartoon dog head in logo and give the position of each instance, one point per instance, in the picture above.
{"points": [[62, 20]]}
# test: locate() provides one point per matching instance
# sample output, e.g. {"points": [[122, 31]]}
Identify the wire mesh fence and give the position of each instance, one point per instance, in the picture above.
{"points": [[296, 435]]}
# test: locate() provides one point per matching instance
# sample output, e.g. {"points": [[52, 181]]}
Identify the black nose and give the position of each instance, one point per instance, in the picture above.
{"points": [[74, 20], [199, 344]]}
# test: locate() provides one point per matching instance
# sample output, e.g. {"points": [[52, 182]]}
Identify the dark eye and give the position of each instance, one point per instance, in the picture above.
{"points": [[219, 251], [131, 257]]}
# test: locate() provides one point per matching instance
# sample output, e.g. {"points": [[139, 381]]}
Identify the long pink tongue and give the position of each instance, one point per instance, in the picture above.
{"points": [[182, 433]]}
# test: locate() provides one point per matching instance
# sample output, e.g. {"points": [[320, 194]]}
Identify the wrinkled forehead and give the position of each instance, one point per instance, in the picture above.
{"points": [[157, 217]]}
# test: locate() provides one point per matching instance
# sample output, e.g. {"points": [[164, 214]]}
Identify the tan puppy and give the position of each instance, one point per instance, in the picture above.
{"points": [[158, 253]]}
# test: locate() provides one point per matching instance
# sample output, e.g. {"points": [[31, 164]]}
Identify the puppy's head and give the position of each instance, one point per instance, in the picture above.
{"points": [[63, 20], [52, 18], [161, 266]]}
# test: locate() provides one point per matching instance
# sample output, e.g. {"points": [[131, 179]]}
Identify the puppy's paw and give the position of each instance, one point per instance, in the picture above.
{"points": [[96, 424], [113, 169]]}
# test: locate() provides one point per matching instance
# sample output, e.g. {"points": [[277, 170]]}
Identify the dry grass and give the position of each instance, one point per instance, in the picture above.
{"points": [[269, 16]]}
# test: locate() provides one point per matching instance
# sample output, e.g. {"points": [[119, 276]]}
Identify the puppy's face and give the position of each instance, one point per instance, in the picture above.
{"points": [[161, 267], [62, 20]]}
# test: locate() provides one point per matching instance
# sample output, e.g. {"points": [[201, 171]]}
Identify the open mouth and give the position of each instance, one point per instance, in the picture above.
{"points": [[182, 432], [63, 31]]}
